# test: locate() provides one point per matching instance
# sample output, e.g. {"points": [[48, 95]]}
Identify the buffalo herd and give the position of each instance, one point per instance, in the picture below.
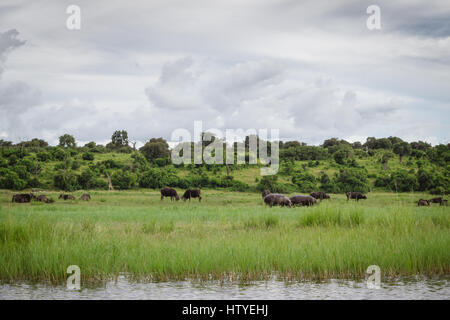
{"points": [[27, 197], [270, 199], [427, 203], [188, 194]]}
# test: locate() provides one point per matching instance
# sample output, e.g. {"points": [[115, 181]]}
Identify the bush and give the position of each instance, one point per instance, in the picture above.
{"points": [[86, 179], [305, 181], [352, 180], [88, 156], [76, 165], [66, 180], [123, 179], [11, 180]]}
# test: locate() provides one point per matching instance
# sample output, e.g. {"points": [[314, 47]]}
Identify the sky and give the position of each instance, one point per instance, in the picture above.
{"points": [[311, 69]]}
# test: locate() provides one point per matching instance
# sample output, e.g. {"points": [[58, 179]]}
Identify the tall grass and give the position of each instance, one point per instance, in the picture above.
{"points": [[137, 234]]}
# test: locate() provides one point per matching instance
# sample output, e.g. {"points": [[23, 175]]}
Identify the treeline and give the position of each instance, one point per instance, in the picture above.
{"points": [[36, 164]]}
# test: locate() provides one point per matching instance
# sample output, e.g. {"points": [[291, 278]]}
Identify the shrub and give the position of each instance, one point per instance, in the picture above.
{"points": [[305, 181], [11, 180], [123, 179], [351, 179], [66, 180], [88, 156]]}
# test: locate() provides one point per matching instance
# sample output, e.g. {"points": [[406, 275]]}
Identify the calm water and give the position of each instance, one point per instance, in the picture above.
{"points": [[333, 289]]}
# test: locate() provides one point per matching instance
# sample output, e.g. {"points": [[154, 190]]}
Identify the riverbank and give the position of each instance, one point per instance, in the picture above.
{"points": [[228, 236]]}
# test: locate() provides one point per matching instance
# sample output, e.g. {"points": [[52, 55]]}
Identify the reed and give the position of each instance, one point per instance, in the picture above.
{"points": [[135, 233]]}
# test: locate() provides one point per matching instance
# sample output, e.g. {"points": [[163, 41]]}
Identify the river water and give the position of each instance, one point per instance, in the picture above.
{"points": [[263, 290]]}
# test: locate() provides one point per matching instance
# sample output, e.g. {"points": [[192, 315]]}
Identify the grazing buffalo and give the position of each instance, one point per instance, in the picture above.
{"points": [[444, 202], [43, 198], [85, 197], [22, 197], [192, 193], [436, 200], [66, 197], [265, 193], [423, 202], [303, 200], [277, 199], [355, 195], [319, 195], [169, 192]]}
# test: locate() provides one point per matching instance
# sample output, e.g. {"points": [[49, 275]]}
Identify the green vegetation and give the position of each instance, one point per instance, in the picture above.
{"points": [[336, 166], [229, 235]]}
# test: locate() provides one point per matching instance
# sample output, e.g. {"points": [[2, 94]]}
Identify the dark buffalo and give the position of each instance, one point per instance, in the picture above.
{"points": [[192, 193], [303, 200], [423, 202], [355, 195], [319, 195], [444, 202], [277, 199], [43, 198], [66, 197], [85, 197], [22, 197], [436, 200], [169, 192], [265, 193]]}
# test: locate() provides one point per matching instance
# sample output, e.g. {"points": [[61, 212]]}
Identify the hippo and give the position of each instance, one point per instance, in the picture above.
{"points": [[319, 195], [277, 199], [355, 195], [303, 200], [265, 193]]}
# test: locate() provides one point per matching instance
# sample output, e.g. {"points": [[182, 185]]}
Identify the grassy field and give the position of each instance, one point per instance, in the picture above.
{"points": [[228, 236]]}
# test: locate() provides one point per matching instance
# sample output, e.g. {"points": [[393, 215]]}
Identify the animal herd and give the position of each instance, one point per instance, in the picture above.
{"points": [[270, 199], [27, 197], [427, 203], [188, 194]]}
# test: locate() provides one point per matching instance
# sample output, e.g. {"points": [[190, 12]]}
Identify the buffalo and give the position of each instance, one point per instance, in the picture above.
{"points": [[22, 197], [276, 199], [66, 197], [422, 202], [265, 193], [169, 192], [85, 197], [192, 193], [319, 195], [436, 200], [444, 202], [303, 200], [355, 195], [43, 198]]}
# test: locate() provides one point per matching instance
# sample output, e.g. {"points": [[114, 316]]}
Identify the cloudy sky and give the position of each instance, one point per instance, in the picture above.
{"points": [[309, 68]]}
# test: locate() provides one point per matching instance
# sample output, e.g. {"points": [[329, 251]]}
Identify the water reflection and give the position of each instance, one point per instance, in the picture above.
{"points": [[333, 289]]}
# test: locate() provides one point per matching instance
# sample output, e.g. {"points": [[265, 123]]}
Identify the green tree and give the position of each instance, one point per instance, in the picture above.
{"points": [[119, 138], [402, 149], [67, 141], [155, 148]]}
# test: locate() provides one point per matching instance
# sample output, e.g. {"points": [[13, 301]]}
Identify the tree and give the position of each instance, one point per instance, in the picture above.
{"points": [[119, 138], [155, 148], [402, 149], [67, 141]]}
